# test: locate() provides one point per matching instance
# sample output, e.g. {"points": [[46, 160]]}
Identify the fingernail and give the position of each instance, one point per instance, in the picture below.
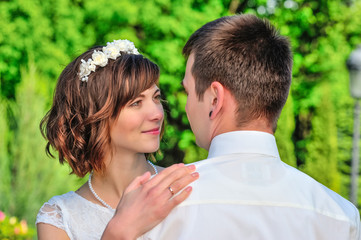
{"points": [[195, 174], [191, 167], [188, 189]]}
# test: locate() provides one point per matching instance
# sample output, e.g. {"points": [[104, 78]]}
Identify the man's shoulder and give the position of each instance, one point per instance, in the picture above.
{"points": [[318, 197], [200, 163], [229, 177]]}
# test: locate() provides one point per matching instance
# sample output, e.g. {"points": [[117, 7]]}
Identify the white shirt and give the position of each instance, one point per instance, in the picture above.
{"points": [[246, 192]]}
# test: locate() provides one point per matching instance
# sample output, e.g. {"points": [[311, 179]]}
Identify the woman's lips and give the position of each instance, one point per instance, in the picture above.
{"points": [[154, 131]]}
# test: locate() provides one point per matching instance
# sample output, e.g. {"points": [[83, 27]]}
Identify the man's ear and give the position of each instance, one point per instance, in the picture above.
{"points": [[216, 97]]}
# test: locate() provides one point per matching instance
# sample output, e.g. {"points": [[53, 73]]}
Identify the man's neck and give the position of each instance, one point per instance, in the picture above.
{"points": [[259, 125]]}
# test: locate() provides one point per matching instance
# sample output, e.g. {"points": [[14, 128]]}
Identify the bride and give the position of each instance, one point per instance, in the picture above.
{"points": [[106, 118]]}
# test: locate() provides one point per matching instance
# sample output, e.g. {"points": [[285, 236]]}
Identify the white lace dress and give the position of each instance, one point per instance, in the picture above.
{"points": [[78, 217]]}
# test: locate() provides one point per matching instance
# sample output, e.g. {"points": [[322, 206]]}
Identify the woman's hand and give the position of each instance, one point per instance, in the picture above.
{"points": [[146, 203]]}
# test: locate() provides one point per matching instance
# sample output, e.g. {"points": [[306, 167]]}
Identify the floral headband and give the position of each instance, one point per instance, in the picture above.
{"points": [[100, 58]]}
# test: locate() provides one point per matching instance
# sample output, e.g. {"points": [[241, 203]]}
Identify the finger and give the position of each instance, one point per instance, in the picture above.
{"points": [[176, 175], [145, 178], [137, 182], [181, 183], [159, 184], [165, 173], [176, 200]]}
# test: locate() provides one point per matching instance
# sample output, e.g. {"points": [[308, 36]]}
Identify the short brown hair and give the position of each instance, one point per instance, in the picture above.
{"points": [[249, 57], [77, 125]]}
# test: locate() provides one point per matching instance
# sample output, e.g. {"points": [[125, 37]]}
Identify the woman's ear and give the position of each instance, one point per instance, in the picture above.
{"points": [[217, 98]]}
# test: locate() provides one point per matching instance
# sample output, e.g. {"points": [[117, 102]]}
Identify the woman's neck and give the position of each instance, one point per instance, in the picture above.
{"points": [[120, 171]]}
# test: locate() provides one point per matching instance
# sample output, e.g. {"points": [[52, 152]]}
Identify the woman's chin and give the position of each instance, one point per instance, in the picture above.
{"points": [[151, 149]]}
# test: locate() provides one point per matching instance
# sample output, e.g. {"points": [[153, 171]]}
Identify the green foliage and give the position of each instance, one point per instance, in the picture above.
{"points": [[31, 177], [322, 34], [321, 145], [11, 228], [5, 160], [284, 133]]}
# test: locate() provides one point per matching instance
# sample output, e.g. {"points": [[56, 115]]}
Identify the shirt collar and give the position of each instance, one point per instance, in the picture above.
{"points": [[243, 142]]}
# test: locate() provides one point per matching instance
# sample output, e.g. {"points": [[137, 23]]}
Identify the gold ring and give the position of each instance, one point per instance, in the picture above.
{"points": [[171, 190]]}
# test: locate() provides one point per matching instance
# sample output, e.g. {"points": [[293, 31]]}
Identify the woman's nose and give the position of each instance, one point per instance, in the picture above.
{"points": [[156, 112]]}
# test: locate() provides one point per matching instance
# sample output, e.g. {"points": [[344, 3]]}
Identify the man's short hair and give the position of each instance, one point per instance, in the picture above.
{"points": [[250, 58]]}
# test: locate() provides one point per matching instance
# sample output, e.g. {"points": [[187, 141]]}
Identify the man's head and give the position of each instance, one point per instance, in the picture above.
{"points": [[249, 59]]}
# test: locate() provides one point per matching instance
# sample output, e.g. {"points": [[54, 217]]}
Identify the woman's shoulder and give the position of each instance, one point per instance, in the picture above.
{"points": [[59, 204], [75, 215], [52, 211], [59, 201], [61, 198]]}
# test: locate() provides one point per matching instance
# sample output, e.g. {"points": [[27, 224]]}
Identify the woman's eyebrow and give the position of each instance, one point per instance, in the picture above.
{"points": [[143, 96]]}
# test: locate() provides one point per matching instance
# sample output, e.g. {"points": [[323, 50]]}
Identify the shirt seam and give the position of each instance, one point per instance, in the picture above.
{"points": [[271, 204]]}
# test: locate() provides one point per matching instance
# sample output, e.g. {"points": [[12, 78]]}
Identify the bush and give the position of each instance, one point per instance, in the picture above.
{"points": [[11, 228]]}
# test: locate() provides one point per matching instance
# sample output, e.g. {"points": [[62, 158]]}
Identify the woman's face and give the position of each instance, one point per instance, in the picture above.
{"points": [[139, 123]]}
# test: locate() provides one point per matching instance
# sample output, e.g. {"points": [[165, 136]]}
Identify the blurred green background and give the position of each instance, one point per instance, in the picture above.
{"points": [[38, 38]]}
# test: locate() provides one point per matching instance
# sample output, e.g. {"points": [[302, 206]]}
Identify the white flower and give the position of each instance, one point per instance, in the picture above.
{"points": [[91, 67], [135, 51], [126, 46], [130, 47], [121, 44], [84, 69], [112, 51], [99, 58]]}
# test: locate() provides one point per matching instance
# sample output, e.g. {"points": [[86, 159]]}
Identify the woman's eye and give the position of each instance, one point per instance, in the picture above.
{"points": [[158, 97], [136, 103]]}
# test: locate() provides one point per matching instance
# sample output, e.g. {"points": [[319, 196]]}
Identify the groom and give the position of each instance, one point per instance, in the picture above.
{"points": [[237, 80]]}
